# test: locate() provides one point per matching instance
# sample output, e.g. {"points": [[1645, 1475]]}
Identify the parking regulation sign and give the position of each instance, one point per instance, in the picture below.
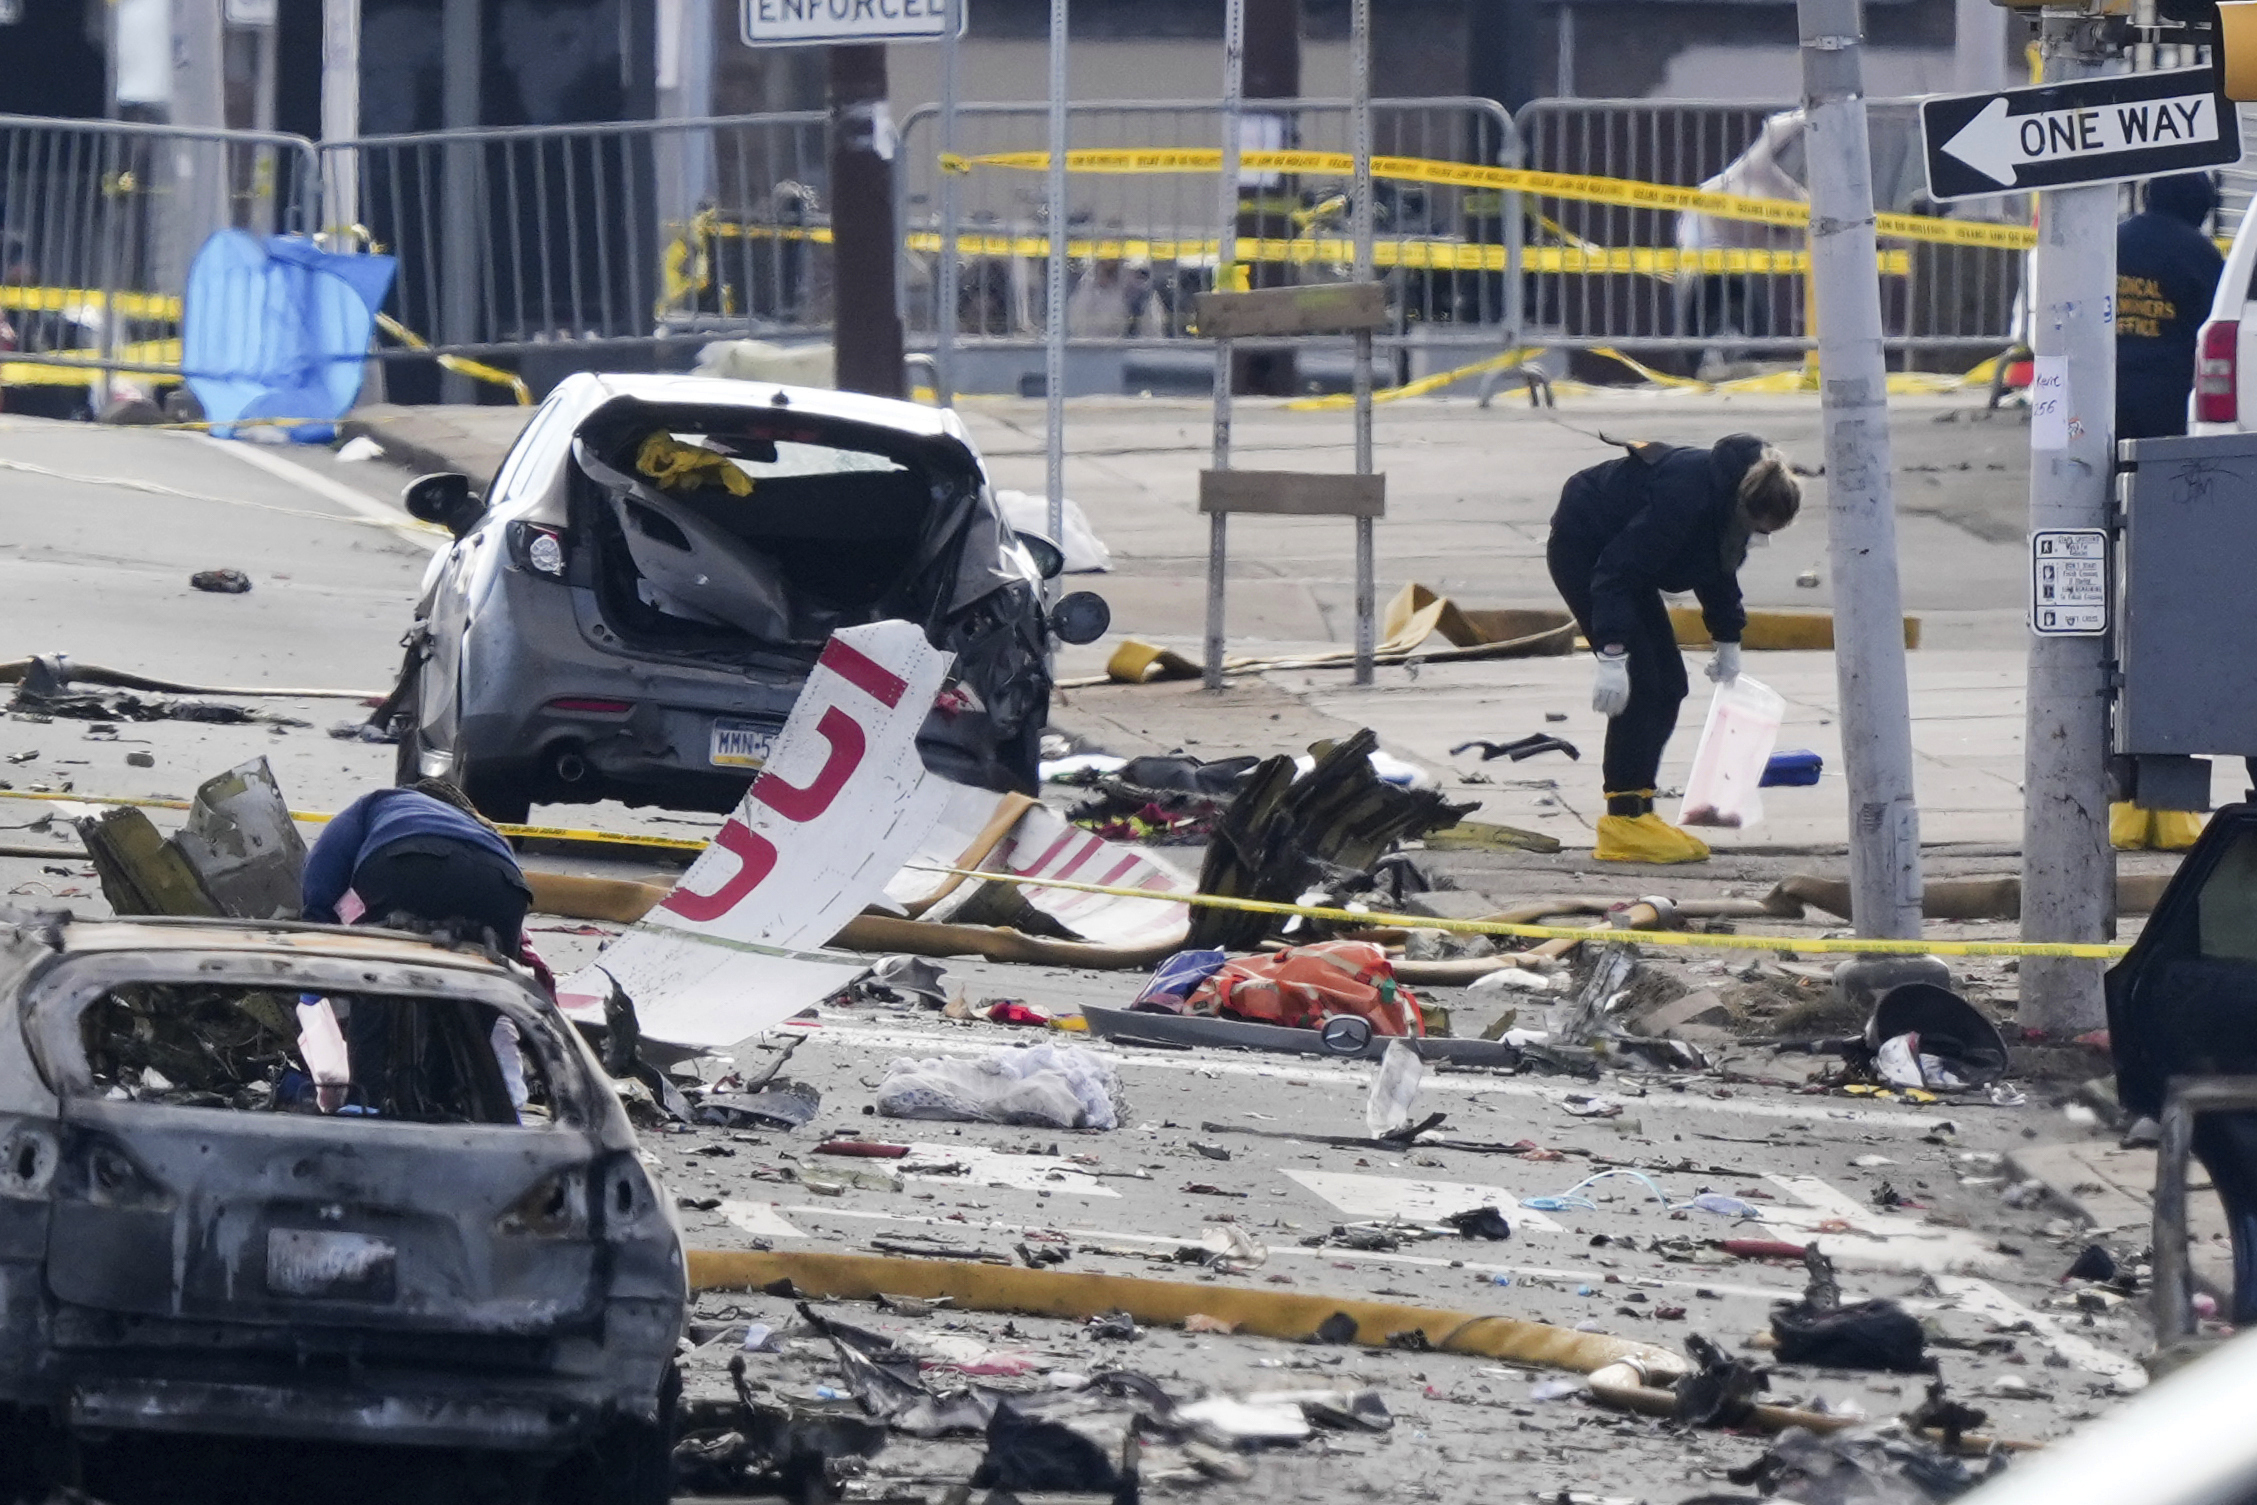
{"points": [[809, 23], [2069, 582]]}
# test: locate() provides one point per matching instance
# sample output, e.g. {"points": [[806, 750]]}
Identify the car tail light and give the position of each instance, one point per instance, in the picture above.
{"points": [[539, 549], [28, 1154], [591, 703], [99, 1170], [2217, 386], [555, 1206]]}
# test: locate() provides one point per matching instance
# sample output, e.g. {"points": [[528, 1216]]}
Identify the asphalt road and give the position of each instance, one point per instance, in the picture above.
{"points": [[99, 570]]}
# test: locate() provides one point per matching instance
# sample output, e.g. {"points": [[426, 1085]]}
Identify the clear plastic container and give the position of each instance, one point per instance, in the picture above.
{"points": [[1736, 742]]}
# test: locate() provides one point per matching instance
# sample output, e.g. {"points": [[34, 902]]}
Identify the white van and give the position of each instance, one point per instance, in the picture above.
{"points": [[2225, 350]]}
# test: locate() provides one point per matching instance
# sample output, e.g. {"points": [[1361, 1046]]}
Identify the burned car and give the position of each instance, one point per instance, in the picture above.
{"points": [[216, 1222], [631, 608]]}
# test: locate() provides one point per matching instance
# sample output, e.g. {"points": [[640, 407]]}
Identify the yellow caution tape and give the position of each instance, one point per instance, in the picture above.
{"points": [[1809, 945], [22, 298], [1418, 254], [1622, 192], [475, 370], [322, 817], [74, 368]]}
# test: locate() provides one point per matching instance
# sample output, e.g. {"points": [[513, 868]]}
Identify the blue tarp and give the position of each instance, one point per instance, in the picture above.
{"points": [[279, 328]]}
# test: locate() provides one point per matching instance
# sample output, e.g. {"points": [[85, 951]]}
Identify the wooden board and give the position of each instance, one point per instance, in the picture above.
{"points": [[1292, 493], [1328, 308]]}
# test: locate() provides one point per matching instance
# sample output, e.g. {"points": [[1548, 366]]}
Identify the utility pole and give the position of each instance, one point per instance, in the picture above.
{"points": [[1272, 71], [866, 321], [1861, 520], [2068, 870]]}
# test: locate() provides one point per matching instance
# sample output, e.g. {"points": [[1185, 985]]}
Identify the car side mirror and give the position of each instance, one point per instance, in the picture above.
{"points": [[1081, 617], [444, 498], [1049, 559]]}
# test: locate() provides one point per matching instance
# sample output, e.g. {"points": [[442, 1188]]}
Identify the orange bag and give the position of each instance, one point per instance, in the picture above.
{"points": [[1304, 986]]}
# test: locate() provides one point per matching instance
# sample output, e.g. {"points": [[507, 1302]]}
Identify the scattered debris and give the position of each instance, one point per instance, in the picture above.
{"points": [[1819, 1330], [1060, 1087], [225, 582]]}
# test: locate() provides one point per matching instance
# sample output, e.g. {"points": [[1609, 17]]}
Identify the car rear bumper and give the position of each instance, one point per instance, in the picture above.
{"points": [[481, 1415]]}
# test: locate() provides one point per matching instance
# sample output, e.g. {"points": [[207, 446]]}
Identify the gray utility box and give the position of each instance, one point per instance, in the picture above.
{"points": [[2186, 635]]}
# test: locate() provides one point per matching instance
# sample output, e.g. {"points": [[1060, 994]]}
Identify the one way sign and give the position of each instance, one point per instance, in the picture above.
{"points": [[2094, 130]]}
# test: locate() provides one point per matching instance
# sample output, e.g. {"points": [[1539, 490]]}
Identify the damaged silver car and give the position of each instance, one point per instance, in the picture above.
{"points": [[326, 1187], [631, 608]]}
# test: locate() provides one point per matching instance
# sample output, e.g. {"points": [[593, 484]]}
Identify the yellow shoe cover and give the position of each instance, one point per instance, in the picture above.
{"points": [[1646, 838], [2176, 830], [2128, 827]]}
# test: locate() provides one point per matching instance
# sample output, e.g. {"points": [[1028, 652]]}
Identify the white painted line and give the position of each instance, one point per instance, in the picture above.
{"points": [[1982, 1297], [1311, 1069], [987, 1168], [360, 503], [1876, 1240], [1594, 1278], [760, 1219], [1417, 1201]]}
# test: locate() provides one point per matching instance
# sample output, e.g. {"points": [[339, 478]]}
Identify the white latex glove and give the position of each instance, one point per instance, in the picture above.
{"points": [[1610, 686], [1725, 666]]}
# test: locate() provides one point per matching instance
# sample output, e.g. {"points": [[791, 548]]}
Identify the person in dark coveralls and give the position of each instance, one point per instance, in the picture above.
{"points": [[2166, 271], [1661, 518]]}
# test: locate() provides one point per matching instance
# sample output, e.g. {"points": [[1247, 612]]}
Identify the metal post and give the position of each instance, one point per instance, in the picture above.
{"points": [[1563, 66], [947, 284], [2068, 871], [462, 66], [194, 194], [1226, 253], [1054, 313], [1861, 521], [1359, 127], [340, 120], [866, 325]]}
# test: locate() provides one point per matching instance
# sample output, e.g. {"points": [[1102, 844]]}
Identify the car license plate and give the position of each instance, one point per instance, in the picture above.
{"points": [[741, 744], [338, 1266]]}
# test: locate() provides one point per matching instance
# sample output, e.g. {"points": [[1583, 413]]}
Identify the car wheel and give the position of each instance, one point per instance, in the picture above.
{"points": [[500, 798], [629, 1462]]}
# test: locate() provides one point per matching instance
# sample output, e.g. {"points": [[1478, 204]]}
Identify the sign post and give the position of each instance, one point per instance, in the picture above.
{"points": [[866, 335], [2069, 139]]}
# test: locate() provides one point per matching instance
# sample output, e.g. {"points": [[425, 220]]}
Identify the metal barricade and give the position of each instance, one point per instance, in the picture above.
{"points": [[1618, 274], [639, 234], [99, 221], [1142, 229]]}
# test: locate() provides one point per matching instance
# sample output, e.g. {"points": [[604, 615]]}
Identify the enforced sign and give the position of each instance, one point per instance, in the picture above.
{"points": [[2069, 582], [790, 23]]}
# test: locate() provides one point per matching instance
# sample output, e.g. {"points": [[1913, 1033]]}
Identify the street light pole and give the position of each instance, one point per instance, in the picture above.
{"points": [[1861, 520]]}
